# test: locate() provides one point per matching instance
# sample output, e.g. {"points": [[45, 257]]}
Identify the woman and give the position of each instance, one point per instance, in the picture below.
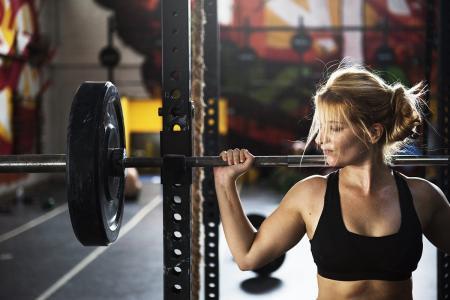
{"points": [[364, 221]]}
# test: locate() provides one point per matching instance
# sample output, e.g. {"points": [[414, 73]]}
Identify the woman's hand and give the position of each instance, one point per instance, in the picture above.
{"points": [[239, 162]]}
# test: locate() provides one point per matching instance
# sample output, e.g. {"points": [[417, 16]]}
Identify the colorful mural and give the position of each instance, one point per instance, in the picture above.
{"points": [[23, 52], [275, 53], [272, 25]]}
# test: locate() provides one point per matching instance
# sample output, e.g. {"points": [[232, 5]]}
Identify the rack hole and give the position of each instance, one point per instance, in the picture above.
{"points": [[175, 75], [177, 288], [176, 94], [177, 217], [177, 235], [177, 199], [176, 127]]}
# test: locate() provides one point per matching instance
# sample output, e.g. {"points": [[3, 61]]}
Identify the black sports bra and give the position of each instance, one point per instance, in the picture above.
{"points": [[343, 255]]}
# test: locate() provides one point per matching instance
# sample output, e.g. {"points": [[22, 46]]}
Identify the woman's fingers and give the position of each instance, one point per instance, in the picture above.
{"points": [[248, 156], [242, 156], [223, 155], [235, 156], [230, 157]]}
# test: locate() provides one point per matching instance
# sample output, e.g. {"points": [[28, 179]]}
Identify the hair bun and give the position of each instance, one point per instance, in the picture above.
{"points": [[406, 116]]}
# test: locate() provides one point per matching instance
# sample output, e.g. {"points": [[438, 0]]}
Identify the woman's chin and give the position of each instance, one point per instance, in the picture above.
{"points": [[331, 161]]}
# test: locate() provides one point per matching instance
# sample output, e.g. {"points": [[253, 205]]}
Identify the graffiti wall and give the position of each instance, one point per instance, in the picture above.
{"points": [[275, 53], [23, 52]]}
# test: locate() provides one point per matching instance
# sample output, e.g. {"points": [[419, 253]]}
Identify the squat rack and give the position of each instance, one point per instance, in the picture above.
{"points": [[176, 138]]}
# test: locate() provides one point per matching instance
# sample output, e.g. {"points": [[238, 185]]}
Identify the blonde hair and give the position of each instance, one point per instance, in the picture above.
{"points": [[360, 98]]}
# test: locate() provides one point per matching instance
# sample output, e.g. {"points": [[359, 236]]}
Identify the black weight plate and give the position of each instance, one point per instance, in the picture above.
{"points": [[274, 265], [94, 192]]}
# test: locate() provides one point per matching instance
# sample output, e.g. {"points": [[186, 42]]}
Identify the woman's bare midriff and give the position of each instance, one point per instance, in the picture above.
{"points": [[364, 289]]}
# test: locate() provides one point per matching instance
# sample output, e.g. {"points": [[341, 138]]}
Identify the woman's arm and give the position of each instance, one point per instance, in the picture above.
{"points": [[281, 231], [278, 233], [238, 230], [437, 224]]}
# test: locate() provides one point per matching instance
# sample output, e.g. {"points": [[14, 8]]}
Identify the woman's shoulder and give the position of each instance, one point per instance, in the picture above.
{"points": [[427, 196], [308, 195], [308, 191], [421, 187], [311, 183]]}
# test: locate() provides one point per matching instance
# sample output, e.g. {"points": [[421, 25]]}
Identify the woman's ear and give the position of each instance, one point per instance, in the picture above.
{"points": [[376, 131]]}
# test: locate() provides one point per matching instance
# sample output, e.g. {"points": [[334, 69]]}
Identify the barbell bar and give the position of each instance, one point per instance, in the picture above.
{"points": [[95, 163], [56, 163]]}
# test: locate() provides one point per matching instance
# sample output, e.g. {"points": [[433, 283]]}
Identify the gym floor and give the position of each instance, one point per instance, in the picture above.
{"points": [[40, 257]]}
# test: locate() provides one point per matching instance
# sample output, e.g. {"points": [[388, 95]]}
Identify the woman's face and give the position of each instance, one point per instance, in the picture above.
{"points": [[340, 145]]}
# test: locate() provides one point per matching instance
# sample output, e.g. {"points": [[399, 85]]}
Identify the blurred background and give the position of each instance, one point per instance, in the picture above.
{"points": [[274, 54]]}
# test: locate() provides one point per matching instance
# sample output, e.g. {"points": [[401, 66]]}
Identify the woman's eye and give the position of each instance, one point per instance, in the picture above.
{"points": [[335, 128]]}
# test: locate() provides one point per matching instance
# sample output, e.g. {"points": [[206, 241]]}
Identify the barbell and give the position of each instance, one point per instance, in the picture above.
{"points": [[96, 161], [56, 163]]}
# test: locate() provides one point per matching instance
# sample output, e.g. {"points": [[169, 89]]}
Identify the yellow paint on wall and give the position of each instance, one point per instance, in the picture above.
{"points": [[6, 106], [370, 15], [303, 3], [276, 39], [141, 116], [223, 116], [7, 34], [124, 103], [144, 115], [335, 9]]}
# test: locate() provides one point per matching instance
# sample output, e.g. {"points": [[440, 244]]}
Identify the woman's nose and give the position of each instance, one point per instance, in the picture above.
{"points": [[320, 138]]}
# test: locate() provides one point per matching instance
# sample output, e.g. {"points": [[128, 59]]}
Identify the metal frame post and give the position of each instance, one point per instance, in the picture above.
{"points": [[211, 217], [176, 139], [443, 128]]}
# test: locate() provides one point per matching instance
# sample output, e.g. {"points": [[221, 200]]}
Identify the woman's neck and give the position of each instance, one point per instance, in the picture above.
{"points": [[368, 176]]}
